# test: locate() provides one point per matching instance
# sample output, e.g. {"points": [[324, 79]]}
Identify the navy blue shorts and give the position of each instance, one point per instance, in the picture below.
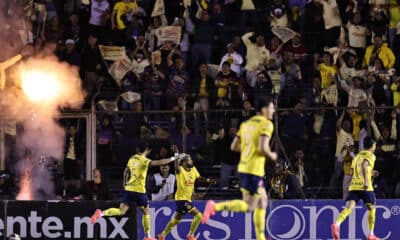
{"points": [[183, 206], [140, 199], [366, 196], [250, 183]]}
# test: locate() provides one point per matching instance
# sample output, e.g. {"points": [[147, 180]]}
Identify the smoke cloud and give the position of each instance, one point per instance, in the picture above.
{"points": [[37, 87]]}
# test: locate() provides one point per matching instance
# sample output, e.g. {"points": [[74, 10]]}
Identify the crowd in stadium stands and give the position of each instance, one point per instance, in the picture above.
{"points": [[316, 54]]}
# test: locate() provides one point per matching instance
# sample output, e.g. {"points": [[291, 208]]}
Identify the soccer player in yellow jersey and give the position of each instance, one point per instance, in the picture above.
{"points": [[362, 172], [252, 141], [135, 187], [186, 177]]}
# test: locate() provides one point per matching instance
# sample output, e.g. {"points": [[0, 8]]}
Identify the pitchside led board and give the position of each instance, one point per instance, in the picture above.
{"points": [[286, 220]]}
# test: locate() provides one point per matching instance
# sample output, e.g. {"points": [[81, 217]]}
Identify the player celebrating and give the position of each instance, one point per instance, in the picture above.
{"points": [[135, 187], [186, 176], [252, 141], [361, 188]]}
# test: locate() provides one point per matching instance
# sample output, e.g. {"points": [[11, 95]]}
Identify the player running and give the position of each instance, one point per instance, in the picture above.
{"points": [[252, 141], [135, 187], [361, 188], [186, 176]]}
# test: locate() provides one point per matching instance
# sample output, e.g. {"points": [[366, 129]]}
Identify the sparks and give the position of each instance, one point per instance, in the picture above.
{"points": [[25, 191]]}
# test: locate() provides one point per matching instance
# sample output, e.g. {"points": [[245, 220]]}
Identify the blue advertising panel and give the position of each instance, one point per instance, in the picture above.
{"points": [[306, 220]]}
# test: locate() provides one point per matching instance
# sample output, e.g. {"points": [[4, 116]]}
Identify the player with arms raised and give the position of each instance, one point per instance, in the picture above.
{"points": [[252, 141], [135, 187], [361, 188], [186, 177]]}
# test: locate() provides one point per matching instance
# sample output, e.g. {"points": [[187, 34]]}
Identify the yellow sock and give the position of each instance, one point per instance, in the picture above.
{"points": [[195, 223], [371, 219], [146, 224], [171, 224], [343, 215], [112, 212], [234, 206], [259, 223]]}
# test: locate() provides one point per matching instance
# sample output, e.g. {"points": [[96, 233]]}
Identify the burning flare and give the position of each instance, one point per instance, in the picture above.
{"points": [[25, 191], [40, 86]]}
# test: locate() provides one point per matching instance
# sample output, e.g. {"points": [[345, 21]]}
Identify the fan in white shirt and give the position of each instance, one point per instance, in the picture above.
{"points": [[234, 58]]}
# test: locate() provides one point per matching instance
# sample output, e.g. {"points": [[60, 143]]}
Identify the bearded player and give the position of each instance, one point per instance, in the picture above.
{"points": [[252, 141], [135, 187], [186, 177], [361, 188]]}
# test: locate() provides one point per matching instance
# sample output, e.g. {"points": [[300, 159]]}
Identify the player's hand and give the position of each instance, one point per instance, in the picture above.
{"points": [[273, 156], [181, 156], [375, 173], [174, 149], [366, 186]]}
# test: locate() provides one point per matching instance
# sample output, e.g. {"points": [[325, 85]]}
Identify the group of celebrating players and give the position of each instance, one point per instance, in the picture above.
{"points": [[253, 142]]}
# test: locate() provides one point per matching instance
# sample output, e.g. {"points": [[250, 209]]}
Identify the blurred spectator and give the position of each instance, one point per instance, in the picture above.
{"points": [[225, 83], [298, 167], [234, 59], [294, 128], [346, 157], [155, 83], [257, 54], [161, 185], [91, 65], [71, 54], [327, 69], [284, 184], [204, 91], [332, 21], [99, 15], [120, 19], [179, 82], [379, 50], [228, 159], [73, 154], [203, 39], [104, 141], [344, 138], [96, 189]]}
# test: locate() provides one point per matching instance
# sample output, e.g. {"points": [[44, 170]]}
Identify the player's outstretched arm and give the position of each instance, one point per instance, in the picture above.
{"points": [[365, 166], [265, 148], [175, 150], [235, 145], [161, 162]]}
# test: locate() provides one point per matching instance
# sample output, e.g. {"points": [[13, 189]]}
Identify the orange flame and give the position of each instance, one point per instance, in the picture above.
{"points": [[25, 191]]}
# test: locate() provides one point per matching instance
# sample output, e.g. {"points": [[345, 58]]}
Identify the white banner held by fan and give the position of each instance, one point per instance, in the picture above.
{"points": [[169, 33], [158, 9], [112, 53], [108, 106], [120, 68], [131, 97], [283, 33], [330, 95]]}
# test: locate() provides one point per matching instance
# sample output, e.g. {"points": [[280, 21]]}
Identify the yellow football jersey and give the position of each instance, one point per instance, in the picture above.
{"points": [[185, 182], [357, 179], [136, 169], [252, 160]]}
